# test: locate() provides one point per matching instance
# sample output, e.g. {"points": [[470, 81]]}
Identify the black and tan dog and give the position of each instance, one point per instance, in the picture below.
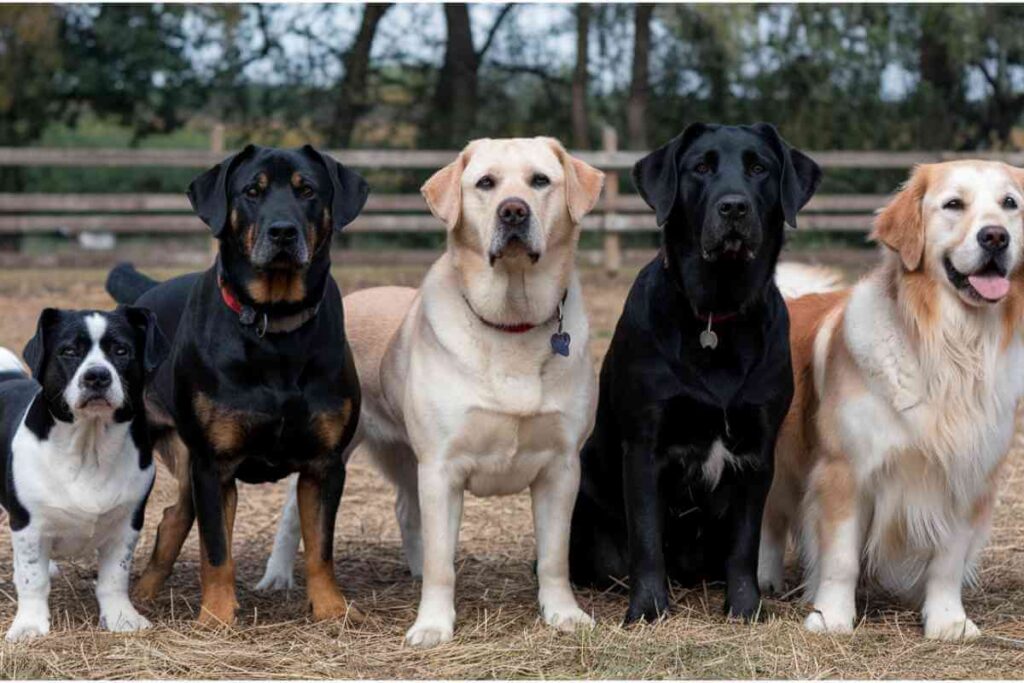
{"points": [[697, 380], [260, 382]]}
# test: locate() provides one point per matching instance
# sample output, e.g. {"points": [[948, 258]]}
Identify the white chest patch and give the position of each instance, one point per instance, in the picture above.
{"points": [[718, 457], [80, 484]]}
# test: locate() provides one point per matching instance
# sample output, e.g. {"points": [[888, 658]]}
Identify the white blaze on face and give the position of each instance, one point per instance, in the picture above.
{"points": [[96, 325]]}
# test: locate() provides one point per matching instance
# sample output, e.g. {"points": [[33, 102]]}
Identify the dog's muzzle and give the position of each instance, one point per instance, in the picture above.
{"points": [[95, 390], [282, 244], [731, 231], [987, 282], [512, 231]]}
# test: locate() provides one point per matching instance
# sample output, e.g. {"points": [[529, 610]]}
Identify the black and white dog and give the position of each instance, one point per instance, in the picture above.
{"points": [[76, 463], [698, 377]]}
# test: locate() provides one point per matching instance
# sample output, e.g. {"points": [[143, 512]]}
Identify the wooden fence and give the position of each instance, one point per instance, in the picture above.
{"points": [[617, 213]]}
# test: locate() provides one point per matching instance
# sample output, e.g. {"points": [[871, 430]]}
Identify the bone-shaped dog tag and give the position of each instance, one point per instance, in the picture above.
{"points": [[708, 339]]}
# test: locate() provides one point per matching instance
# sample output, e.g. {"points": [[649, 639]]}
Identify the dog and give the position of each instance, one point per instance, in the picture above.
{"points": [[481, 380], [260, 383], [77, 460], [906, 387], [697, 379]]}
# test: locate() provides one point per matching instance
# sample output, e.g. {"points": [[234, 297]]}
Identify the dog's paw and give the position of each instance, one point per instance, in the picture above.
{"points": [[820, 621], [648, 605], [54, 570], [745, 610], [124, 620], [425, 634], [770, 580], [28, 625], [568, 618], [956, 629], [276, 579]]}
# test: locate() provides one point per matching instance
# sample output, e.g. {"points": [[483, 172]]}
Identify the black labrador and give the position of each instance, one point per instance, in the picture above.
{"points": [[697, 380], [260, 382]]}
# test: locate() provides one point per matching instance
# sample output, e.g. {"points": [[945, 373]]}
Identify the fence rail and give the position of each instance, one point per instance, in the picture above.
{"points": [[168, 214]]}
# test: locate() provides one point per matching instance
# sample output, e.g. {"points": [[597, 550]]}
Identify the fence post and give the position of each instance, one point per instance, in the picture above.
{"points": [[612, 243], [216, 145]]}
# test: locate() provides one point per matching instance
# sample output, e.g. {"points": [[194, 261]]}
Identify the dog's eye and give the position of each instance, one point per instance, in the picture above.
{"points": [[954, 205], [702, 168], [756, 169], [252, 192], [539, 180], [1009, 202], [120, 350], [68, 352], [306, 192], [485, 183]]}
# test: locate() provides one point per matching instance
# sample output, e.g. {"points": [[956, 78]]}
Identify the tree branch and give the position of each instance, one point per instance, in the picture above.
{"points": [[494, 30]]}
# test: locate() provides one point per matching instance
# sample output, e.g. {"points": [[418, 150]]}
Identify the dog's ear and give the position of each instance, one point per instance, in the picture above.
{"points": [[900, 225], [583, 182], [155, 347], [208, 193], [800, 174], [656, 176], [350, 189], [35, 350], [443, 190]]}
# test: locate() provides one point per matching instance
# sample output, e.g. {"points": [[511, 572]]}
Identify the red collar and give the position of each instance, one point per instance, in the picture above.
{"points": [[519, 328], [714, 319], [230, 300]]}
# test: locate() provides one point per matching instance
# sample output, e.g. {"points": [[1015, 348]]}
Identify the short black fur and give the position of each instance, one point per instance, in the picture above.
{"points": [[646, 509]]}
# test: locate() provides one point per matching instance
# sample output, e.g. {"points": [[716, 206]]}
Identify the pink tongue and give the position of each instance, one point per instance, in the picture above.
{"points": [[992, 287]]}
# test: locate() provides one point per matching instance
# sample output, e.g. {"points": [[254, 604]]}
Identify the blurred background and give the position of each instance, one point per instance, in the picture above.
{"points": [[107, 111]]}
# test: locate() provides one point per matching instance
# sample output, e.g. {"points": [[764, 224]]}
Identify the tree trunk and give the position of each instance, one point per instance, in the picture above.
{"points": [[580, 78], [636, 107], [455, 101], [942, 91], [353, 99]]}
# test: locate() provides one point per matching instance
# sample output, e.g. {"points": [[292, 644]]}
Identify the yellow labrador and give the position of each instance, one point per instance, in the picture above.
{"points": [[480, 380]]}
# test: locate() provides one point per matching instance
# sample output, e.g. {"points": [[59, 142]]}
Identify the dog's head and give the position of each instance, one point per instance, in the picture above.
{"points": [[94, 364], [722, 195], [513, 200], [274, 211], [961, 223]]}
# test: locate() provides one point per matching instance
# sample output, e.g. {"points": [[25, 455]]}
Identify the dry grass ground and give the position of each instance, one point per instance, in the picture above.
{"points": [[498, 633]]}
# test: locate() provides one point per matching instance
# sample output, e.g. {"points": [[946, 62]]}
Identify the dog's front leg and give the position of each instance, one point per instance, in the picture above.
{"points": [[943, 610], [215, 509], [278, 573], [554, 494], [32, 582], [648, 585], [319, 496], [115, 565], [441, 513], [742, 597]]}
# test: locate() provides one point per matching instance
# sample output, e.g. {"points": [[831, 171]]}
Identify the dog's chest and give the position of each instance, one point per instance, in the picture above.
{"points": [[498, 454], [78, 497]]}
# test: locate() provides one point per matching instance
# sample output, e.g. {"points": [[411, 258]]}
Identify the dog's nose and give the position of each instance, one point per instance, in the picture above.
{"points": [[283, 232], [97, 378], [733, 206], [513, 212], [994, 238]]}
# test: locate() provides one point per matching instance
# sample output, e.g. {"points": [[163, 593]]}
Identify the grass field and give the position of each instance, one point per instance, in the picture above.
{"points": [[498, 633]]}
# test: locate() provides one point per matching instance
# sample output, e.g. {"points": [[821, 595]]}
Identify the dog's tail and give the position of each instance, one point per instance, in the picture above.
{"points": [[795, 280], [11, 366], [126, 285]]}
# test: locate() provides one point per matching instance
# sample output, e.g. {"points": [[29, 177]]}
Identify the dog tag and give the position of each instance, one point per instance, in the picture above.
{"points": [[560, 343], [247, 316], [708, 339]]}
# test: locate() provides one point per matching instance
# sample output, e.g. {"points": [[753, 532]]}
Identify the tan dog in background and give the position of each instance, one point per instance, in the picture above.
{"points": [[906, 387], [462, 386]]}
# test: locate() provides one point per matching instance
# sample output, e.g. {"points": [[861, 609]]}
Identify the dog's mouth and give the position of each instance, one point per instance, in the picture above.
{"points": [[731, 249], [988, 284], [511, 246], [95, 404]]}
